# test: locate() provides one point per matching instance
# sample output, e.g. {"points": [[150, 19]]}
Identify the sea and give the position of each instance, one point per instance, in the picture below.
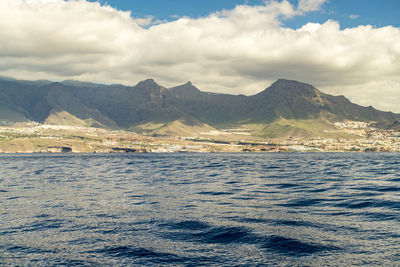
{"points": [[200, 209]]}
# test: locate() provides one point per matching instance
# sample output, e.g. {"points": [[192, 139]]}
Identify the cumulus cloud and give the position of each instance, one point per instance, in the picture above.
{"points": [[241, 50], [310, 5]]}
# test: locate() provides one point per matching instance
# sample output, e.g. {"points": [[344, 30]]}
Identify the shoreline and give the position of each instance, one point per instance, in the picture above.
{"points": [[196, 152], [38, 138]]}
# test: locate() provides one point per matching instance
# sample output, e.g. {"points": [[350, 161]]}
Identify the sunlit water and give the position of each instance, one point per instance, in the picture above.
{"points": [[200, 209]]}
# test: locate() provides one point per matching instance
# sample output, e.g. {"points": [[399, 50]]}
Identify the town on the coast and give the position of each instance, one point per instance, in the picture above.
{"points": [[34, 137]]}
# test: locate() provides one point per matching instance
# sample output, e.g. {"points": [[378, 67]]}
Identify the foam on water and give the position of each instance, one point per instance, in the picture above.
{"points": [[323, 209]]}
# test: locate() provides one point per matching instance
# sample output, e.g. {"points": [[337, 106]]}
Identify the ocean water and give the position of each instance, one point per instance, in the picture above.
{"points": [[281, 209]]}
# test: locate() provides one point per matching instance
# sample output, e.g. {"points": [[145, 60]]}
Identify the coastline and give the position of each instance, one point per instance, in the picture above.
{"points": [[42, 138]]}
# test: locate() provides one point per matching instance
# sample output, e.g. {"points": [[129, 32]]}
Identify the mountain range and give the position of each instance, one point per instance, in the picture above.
{"points": [[285, 108]]}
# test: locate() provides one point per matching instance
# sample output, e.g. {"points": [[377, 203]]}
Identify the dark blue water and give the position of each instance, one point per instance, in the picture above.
{"points": [[200, 209]]}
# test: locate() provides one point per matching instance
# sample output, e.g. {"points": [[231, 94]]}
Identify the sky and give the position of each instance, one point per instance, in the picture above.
{"points": [[343, 47], [350, 13]]}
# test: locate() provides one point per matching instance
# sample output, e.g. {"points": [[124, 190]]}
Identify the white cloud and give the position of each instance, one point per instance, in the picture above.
{"points": [[354, 16], [235, 51], [146, 21], [310, 5]]}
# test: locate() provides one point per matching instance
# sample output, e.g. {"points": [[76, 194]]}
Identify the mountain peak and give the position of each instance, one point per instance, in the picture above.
{"points": [[185, 90], [284, 87], [290, 83], [148, 83], [282, 80]]}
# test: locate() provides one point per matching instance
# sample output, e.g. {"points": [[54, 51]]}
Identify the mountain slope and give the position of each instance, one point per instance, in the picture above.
{"points": [[296, 100], [150, 107]]}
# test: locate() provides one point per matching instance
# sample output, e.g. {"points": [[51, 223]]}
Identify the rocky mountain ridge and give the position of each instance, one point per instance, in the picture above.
{"points": [[148, 106]]}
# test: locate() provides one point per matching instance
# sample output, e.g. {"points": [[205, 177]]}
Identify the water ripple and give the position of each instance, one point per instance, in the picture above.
{"points": [[245, 209]]}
